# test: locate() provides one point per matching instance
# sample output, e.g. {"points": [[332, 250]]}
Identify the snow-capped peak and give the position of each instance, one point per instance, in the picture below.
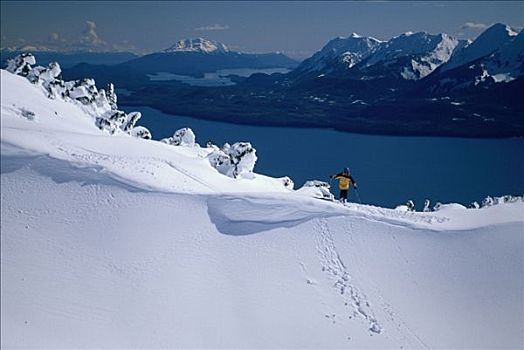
{"points": [[427, 52], [198, 45], [485, 44], [349, 51], [507, 62]]}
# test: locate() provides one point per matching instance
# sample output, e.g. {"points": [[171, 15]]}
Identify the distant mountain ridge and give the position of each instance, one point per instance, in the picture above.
{"points": [[367, 58], [70, 59], [340, 51], [198, 56]]}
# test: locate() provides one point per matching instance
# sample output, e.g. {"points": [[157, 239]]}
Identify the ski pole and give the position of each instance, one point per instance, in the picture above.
{"points": [[358, 196]]}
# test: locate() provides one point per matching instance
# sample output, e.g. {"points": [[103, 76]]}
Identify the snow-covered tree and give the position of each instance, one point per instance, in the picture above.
{"points": [[220, 161], [21, 64], [237, 160], [181, 137], [487, 202], [101, 104], [316, 183], [409, 206], [243, 157], [426, 206], [106, 125], [141, 133], [84, 91], [131, 120], [111, 96], [287, 182], [118, 117], [44, 75], [317, 189]]}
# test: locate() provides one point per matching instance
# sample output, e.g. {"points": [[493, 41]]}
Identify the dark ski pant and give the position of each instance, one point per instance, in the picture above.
{"points": [[344, 195]]}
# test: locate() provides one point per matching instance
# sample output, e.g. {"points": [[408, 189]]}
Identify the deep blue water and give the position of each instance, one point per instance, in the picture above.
{"points": [[389, 169]]}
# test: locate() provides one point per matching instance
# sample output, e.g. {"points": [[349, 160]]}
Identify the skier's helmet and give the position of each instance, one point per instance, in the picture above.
{"points": [[346, 171]]}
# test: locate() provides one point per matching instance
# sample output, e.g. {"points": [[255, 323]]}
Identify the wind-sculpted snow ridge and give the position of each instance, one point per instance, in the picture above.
{"points": [[100, 104]]}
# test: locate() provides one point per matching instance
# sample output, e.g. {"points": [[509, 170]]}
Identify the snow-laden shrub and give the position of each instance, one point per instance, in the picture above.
{"points": [[409, 206], [141, 133], [426, 206], [184, 137], [475, 205], [243, 157], [220, 161], [130, 121], [507, 199], [316, 189], [101, 105], [316, 183], [115, 120], [237, 160], [487, 202], [105, 125], [118, 118], [45, 75], [181, 137], [21, 64], [287, 182], [111, 96]]}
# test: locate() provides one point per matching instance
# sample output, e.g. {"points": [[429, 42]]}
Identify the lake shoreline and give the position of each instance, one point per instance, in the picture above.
{"points": [[373, 130]]}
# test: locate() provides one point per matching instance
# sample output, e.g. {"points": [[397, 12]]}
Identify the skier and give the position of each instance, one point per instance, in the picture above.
{"points": [[345, 180]]}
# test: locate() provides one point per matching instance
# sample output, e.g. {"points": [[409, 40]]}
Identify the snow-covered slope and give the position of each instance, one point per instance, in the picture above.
{"points": [[411, 56], [507, 62], [426, 53], [345, 51], [199, 45], [486, 43], [115, 241]]}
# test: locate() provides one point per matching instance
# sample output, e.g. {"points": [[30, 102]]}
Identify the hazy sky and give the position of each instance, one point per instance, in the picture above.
{"points": [[295, 28]]}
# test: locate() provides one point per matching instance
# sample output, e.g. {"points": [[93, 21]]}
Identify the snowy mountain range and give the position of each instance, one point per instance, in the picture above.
{"points": [[414, 83], [344, 51], [110, 239], [410, 56]]}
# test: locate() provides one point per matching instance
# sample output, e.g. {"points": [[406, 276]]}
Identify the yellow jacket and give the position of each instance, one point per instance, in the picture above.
{"points": [[345, 181]]}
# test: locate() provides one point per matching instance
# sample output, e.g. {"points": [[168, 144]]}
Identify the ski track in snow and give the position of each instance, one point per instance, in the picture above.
{"points": [[397, 326], [334, 266], [354, 298]]}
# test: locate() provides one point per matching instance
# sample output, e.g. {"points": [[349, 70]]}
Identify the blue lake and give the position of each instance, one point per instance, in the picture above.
{"points": [[389, 169]]}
